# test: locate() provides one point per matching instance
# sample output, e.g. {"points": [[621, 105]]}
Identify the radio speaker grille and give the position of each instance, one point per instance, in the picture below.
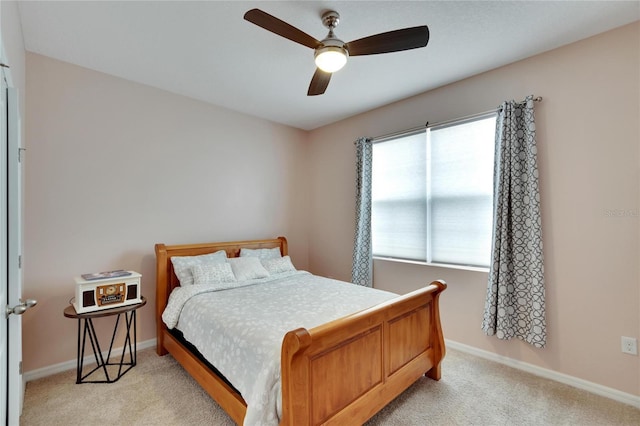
{"points": [[88, 299], [132, 292]]}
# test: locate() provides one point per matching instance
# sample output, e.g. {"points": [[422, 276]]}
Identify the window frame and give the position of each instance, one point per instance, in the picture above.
{"points": [[410, 132]]}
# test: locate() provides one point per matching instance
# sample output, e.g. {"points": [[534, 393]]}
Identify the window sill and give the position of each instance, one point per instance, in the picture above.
{"points": [[437, 265]]}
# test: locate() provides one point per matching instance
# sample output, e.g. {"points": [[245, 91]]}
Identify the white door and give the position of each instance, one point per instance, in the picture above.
{"points": [[14, 258], [3, 250], [11, 303]]}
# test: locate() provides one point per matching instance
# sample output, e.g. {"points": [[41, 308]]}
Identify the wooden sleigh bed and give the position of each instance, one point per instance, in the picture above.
{"points": [[381, 350]]}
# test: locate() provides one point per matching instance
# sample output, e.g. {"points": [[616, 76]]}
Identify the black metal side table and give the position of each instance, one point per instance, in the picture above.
{"points": [[88, 330]]}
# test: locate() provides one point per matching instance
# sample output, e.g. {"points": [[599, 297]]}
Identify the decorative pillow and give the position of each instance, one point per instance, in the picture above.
{"points": [[212, 273], [271, 253], [279, 265], [182, 264], [247, 268]]}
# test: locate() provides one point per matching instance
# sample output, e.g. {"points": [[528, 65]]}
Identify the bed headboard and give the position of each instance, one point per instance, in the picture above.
{"points": [[166, 279]]}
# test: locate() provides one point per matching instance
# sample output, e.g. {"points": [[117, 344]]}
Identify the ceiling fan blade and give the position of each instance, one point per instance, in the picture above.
{"points": [[277, 26], [392, 41], [319, 82]]}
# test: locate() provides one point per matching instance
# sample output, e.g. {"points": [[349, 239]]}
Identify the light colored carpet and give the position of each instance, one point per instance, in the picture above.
{"points": [[473, 391]]}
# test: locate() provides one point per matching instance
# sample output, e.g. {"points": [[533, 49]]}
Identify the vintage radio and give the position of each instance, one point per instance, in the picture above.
{"points": [[95, 294]]}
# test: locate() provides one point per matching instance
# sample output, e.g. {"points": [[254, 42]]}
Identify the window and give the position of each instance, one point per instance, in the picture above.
{"points": [[432, 193]]}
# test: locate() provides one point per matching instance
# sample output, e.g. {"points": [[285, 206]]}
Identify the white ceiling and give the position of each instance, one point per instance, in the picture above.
{"points": [[207, 51]]}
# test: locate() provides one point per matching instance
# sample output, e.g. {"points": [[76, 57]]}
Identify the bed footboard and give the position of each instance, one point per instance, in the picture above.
{"points": [[391, 345]]}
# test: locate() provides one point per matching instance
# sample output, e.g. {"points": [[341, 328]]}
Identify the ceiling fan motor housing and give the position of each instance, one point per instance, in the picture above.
{"points": [[332, 43]]}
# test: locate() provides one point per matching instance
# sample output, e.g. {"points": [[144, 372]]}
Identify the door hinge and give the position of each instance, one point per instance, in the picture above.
{"points": [[20, 368], [20, 262], [20, 151]]}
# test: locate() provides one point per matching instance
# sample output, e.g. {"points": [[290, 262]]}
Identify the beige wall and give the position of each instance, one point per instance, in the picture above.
{"points": [[589, 136], [115, 167]]}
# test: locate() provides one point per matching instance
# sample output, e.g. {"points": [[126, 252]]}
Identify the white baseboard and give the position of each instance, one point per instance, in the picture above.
{"points": [[595, 388], [72, 364]]}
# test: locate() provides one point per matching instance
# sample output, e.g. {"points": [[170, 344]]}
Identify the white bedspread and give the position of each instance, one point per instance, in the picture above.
{"points": [[240, 330]]}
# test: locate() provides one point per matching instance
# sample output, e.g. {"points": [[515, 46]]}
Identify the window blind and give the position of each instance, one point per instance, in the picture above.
{"points": [[432, 194], [460, 192], [399, 197]]}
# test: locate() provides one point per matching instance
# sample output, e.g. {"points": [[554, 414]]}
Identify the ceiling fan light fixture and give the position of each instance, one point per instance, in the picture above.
{"points": [[331, 58]]}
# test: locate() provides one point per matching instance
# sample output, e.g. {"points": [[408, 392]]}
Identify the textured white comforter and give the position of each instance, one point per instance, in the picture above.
{"points": [[240, 330]]}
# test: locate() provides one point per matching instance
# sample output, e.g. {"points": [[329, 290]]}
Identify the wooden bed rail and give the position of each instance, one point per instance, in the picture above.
{"points": [[392, 345]]}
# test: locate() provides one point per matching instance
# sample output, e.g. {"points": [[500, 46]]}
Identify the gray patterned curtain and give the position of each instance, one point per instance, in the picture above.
{"points": [[362, 271], [515, 304]]}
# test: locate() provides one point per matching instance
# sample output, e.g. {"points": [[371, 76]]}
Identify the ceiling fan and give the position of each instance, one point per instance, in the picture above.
{"points": [[331, 53]]}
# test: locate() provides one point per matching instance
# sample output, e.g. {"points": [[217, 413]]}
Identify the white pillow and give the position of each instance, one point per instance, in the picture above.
{"points": [[212, 273], [247, 268], [182, 264], [279, 265], [271, 253]]}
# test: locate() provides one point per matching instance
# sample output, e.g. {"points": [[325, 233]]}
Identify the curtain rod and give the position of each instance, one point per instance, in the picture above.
{"points": [[417, 129], [536, 99]]}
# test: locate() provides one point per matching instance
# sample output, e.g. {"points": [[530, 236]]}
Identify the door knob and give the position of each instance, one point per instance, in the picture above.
{"points": [[21, 308]]}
